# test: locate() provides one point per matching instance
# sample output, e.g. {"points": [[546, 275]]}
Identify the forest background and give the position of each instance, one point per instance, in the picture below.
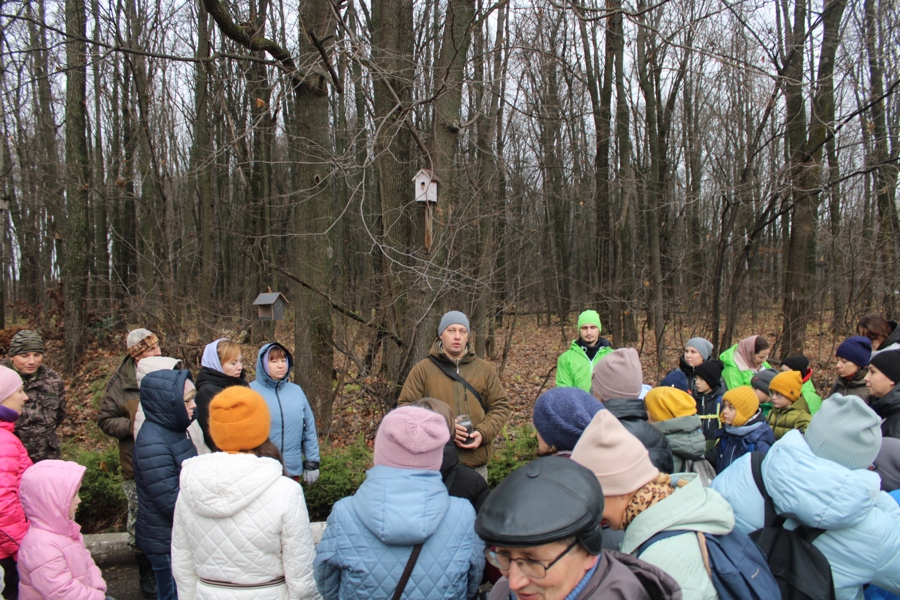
{"points": [[686, 167]]}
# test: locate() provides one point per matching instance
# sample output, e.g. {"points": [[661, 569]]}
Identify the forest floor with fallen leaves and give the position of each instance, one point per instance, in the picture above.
{"points": [[529, 370]]}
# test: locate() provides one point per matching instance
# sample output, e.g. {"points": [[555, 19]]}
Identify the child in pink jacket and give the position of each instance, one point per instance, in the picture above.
{"points": [[53, 561]]}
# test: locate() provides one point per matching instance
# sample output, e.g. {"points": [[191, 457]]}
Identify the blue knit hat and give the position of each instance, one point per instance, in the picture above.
{"points": [[856, 349], [676, 379], [561, 415]]}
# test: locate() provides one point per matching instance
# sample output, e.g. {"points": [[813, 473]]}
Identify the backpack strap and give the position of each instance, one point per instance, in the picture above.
{"points": [[756, 460], [451, 476], [704, 553], [446, 370]]}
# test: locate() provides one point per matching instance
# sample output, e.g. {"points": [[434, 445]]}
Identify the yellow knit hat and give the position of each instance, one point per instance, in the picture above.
{"points": [[238, 419], [745, 403], [788, 384], [664, 403]]}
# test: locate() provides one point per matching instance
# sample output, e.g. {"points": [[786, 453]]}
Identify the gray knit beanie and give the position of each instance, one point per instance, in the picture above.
{"points": [[761, 380], [845, 431], [617, 375], [701, 345], [454, 317]]}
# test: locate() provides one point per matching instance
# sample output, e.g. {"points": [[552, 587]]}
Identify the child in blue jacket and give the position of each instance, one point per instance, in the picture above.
{"points": [[745, 429]]}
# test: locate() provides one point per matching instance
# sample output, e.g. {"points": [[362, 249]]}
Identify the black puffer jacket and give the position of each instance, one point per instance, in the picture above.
{"points": [[633, 415], [888, 408], [209, 383], [463, 481], [708, 408], [161, 446]]}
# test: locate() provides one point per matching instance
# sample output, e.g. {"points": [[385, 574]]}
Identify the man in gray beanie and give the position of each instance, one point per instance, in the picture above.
{"points": [[46, 406], [469, 385]]}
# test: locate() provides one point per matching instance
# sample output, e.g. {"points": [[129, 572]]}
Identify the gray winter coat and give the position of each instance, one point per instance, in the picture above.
{"points": [[685, 436]]}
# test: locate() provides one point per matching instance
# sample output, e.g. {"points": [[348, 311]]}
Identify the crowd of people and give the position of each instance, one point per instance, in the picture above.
{"points": [[636, 491]]}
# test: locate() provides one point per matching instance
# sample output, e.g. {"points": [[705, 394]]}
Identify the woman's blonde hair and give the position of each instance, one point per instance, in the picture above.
{"points": [[228, 350]]}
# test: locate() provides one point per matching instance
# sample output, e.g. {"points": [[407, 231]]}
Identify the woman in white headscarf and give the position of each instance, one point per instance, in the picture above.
{"points": [[221, 367]]}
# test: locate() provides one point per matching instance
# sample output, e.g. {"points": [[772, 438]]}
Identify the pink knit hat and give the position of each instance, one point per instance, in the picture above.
{"points": [[411, 438], [617, 375], [10, 382], [619, 460]]}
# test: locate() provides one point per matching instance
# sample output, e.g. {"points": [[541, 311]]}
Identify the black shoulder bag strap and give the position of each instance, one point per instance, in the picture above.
{"points": [[772, 517], [445, 368], [404, 579]]}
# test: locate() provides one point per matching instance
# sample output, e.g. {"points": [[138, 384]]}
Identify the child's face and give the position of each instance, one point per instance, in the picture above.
{"points": [[728, 412], [278, 368], [702, 386], [763, 397], [779, 400], [73, 508], [846, 369], [692, 356]]}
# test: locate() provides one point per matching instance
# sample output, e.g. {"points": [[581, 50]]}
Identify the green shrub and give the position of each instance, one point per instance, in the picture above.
{"points": [[342, 471], [520, 448], [103, 504]]}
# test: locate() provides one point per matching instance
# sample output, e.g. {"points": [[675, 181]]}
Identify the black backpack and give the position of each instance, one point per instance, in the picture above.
{"points": [[801, 570]]}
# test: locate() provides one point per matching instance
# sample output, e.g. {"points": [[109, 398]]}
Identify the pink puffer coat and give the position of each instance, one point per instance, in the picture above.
{"points": [[13, 462], [53, 562]]}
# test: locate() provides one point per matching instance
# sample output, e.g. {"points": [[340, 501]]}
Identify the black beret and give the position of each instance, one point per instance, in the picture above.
{"points": [[547, 500]]}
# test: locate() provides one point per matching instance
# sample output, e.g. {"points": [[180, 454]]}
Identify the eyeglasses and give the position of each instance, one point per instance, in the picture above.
{"points": [[530, 568]]}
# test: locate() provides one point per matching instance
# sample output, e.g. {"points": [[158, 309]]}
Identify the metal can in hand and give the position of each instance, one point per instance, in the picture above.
{"points": [[466, 421]]}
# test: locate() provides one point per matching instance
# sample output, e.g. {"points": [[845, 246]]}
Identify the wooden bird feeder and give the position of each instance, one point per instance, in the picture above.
{"points": [[271, 306]]}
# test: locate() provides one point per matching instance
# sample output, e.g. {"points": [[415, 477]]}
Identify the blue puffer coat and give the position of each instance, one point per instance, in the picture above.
{"points": [[862, 523], [734, 442], [160, 448], [370, 536], [293, 428]]}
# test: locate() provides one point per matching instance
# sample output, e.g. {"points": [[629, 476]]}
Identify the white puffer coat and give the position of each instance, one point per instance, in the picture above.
{"points": [[241, 531]]}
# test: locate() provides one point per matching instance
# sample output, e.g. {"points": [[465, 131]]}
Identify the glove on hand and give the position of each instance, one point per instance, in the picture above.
{"points": [[310, 477]]}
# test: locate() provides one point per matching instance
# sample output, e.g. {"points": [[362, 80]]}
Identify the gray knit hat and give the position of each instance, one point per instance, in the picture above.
{"points": [[25, 341], [454, 317], [761, 380], [845, 431], [617, 375], [701, 345], [139, 341]]}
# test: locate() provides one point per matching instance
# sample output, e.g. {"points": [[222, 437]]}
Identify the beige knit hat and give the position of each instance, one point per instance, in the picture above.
{"points": [[619, 460], [617, 375]]}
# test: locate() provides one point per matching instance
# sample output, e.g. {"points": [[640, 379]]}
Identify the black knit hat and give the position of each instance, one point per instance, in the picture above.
{"points": [[797, 363], [888, 363], [709, 371], [516, 513]]}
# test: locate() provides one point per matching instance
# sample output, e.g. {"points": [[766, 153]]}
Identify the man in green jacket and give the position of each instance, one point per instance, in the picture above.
{"points": [[576, 365], [431, 378]]}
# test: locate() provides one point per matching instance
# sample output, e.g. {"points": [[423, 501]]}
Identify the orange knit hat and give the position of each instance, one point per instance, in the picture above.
{"points": [[745, 403], [664, 403], [788, 384], [238, 419]]}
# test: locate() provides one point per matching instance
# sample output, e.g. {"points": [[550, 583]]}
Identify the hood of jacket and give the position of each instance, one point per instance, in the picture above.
{"points": [[693, 507], [162, 397], [437, 351], [451, 458], [262, 363], [887, 405], [819, 492], [127, 374], [46, 493], [627, 408], [401, 507], [221, 485]]}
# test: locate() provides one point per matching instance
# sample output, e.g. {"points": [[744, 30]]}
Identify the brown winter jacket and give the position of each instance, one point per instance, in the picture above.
{"points": [[426, 380], [618, 577], [117, 409], [852, 387], [782, 420]]}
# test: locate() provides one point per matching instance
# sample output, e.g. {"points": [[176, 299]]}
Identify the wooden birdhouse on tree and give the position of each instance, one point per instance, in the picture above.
{"points": [[426, 191], [271, 306]]}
